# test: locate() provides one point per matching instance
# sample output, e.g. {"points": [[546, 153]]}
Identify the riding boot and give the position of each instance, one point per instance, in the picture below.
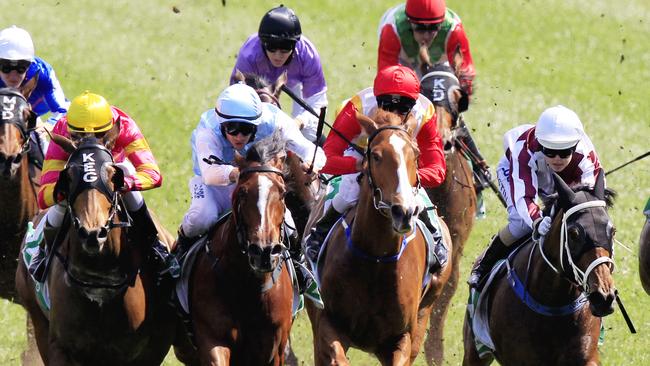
{"points": [[315, 239], [36, 155], [38, 268], [439, 249], [479, 165], [183, 243], [496, 250]]}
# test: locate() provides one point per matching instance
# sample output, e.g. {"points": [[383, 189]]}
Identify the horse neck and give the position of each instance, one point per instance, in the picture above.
{"points": [[17, 199], [370, 225], [545, 284]]}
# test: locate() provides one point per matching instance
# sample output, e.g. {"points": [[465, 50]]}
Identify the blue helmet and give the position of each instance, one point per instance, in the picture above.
{"points": [[239, 103]]}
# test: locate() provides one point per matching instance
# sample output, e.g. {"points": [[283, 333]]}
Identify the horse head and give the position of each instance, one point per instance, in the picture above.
{"points": [[269, 93], [90, 183], [258, 203], [441, 86], [16, 121], [390, 166], [583, 234]]}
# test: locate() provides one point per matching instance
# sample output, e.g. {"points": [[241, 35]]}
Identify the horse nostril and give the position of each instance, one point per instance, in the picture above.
{"points": [[397, 211], [17, 159]]}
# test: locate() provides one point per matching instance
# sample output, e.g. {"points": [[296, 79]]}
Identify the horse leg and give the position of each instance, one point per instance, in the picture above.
{"points": [[290, 358], [329, 347], [434, 345], [32, 356], [217, 356], [398, 354], [37, 325], [419, 332], [470, 356]]}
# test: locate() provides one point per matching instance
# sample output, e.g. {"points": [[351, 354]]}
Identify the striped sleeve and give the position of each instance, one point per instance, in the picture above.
{"points": [[55, 160], [147, 173], [523, 181]]}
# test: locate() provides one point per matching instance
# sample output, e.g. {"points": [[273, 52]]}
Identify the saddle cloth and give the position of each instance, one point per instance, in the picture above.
{"points": [[33, 259]]}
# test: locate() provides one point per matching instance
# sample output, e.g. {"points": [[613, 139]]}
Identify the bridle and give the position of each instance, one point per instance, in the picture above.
{"points": [[264, 92], [578, 277], [377, 194], [19, 122]]}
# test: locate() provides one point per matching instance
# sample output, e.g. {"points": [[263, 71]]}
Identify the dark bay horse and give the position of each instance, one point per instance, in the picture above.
{"points": [[456, 196], [545, 308], [303, 190], [105, 307], [241, 293], [17, 190], [644, 256], [373, 273]]}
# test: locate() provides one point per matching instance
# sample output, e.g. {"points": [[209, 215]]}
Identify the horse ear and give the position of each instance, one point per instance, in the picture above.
{"points": [[564, 191], [31, 117], [239, 160], [410, 124], [425, 60], [66, 144], [599, 187], [116, 177], [239, 76], [27, 89], [277, 85], [111, 136], [463, 101], [366, 123], [458, 60]]}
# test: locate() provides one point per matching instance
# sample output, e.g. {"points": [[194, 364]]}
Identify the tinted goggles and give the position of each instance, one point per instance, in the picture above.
{"points": [[425, 28], [21, 66], [395, 103], [235, 128], [563, 154], [282, 46]]}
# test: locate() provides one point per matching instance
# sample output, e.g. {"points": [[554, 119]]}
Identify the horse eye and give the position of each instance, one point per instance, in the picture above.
{"points": [[574, 233], [376, 156]]}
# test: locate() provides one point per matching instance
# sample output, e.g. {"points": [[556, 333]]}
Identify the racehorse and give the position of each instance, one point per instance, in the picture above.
{"points": [[17, 190], [303, 190], [373, 275], [241, 294], [456, 196], [644, 257], [105, 307], [537, 311]]}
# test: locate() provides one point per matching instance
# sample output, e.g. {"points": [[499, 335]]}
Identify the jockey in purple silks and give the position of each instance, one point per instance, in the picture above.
{"points": [[279, 46]]}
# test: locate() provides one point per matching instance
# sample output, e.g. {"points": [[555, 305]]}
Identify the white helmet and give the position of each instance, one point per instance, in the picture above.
{"points": [[16, 44], [239, 103], [558, 128]]}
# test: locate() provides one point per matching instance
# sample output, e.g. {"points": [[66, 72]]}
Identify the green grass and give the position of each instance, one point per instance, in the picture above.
{"points": [[166, 68]]}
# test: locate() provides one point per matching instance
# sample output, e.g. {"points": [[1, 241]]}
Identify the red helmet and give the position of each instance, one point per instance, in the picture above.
{"points": [[397, 79], [425, 11]]}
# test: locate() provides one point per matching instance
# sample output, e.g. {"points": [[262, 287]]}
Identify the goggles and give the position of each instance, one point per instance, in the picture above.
{"points": [[563, 154], [21, 66], [425, 28], [235, 128], [279, 45], [395, 103]]}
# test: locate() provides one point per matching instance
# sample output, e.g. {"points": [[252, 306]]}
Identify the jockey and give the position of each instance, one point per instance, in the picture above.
{"points": [[91, 115], [404, 28], [279, 47], [18, 66], [396, 89], [556, 144], [239, 119]]}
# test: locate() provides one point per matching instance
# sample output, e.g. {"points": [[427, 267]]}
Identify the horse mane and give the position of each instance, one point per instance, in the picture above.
{"points": [[386, 118], [610, 197], [267, 149]]}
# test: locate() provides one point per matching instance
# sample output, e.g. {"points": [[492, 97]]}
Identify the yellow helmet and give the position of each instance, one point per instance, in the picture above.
{"points": [[89, 113]]}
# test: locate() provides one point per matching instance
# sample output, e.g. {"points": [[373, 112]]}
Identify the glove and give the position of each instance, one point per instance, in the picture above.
{"points": [[542, 227]]}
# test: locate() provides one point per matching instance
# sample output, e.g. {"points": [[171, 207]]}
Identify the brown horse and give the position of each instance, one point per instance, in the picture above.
{"points": [[536, 307], [17, 190], [372, 274], [105, 307], [456, 196], [644, 257], [241, 292]]}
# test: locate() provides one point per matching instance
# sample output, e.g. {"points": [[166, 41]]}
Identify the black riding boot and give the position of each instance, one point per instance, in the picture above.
{"points": [[36, 155], [307, 284], [183, 243], [439, 249], [315, 239], [483, 265], [479, 165], [39, 269]]}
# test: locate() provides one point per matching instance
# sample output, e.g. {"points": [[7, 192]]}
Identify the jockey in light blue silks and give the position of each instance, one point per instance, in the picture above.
{"points": [[238, 120], [19, 66]]}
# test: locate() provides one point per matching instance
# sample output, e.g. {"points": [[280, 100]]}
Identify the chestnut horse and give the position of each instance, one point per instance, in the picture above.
{"points": [[537, 311], [17, 190], [644, 254], [241, 293], [105, 307], [374, 269], [456, 196]]}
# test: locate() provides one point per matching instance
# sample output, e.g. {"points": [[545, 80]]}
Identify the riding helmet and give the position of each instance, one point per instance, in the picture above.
{"points": [[239, 103], [280, 28], [397, 80], [89, 113], [558, 128], [16, 44], [425, 11]]}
